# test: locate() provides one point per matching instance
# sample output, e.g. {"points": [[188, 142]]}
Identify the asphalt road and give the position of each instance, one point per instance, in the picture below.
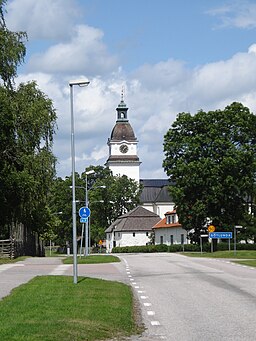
{"points": [[192, 298], [181, 298]]}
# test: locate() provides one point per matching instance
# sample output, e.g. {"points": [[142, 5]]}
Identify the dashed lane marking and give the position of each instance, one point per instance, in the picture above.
{"points": [[155, 323]]}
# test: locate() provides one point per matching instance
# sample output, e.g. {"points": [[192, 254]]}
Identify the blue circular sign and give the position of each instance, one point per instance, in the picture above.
{"points": [[84, 212]]}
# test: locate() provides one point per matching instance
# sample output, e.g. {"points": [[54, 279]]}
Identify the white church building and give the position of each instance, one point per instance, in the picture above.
{"points": [[123, 159]]}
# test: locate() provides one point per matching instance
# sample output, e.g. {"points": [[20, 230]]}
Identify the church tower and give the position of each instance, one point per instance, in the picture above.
{"points": [[123, 158]]}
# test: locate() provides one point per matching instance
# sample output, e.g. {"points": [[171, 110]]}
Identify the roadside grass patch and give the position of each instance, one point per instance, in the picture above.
{"points": [[248, 262], [53, 308], [92, 259], [9, 261], [240, 254]]}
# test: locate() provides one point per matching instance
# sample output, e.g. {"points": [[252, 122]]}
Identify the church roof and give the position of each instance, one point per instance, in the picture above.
{"points": [[138, 219], [122, 131], [155, 191]]}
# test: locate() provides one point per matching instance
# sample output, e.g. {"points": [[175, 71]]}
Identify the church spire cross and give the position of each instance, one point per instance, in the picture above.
{"points": [[122, 94]]}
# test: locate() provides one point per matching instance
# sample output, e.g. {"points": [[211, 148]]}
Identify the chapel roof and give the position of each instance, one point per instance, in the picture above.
{"points": [[138, 219]]}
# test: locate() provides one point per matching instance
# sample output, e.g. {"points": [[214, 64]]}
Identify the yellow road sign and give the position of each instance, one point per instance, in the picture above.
{"points": [[211, 228]]}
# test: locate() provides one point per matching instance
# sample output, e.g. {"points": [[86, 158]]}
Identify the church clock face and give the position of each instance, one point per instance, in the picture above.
{"points": [[123, 148]]}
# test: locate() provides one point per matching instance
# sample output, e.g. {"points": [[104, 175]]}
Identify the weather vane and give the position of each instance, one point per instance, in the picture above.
{"points": [[122, 94]]}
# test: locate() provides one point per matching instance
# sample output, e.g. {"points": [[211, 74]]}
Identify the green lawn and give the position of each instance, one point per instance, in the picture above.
{"points": [[8, 260], [250, 262], [53, 308], [240, 254], [92, 259]]}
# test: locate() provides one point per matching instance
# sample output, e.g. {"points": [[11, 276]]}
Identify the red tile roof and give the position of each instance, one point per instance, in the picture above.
{"points": [[162, 224]]}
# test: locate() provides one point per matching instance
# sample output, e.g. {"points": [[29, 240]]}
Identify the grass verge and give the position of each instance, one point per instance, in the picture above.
{"points": [[92, 259], [53, 308], [240, 254], [248, 262], [9, 261]]}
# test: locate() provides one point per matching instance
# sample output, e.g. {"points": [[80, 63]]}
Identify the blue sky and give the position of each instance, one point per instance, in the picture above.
{"points": [[170, 56]]}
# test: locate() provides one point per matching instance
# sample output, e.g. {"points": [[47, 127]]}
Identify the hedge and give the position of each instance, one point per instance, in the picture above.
{"points": [[180, 248], [141, 249]]}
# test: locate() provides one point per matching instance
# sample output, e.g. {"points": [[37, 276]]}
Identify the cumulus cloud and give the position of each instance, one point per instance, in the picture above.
{"points": [[154, 93], [85, 51], [239, 13], [43, 19], [152, 108]]}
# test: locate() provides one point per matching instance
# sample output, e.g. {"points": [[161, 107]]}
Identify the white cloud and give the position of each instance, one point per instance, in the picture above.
{"points": [[84, 52], [225, 80], [239, 13], [42, 19], [152, 106]]}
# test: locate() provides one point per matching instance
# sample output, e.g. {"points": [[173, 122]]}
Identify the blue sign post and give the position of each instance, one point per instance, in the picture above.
{"points": [[220, 235]]}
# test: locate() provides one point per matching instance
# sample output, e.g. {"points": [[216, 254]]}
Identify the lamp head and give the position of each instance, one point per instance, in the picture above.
{"points": [[90, 172], [80, 82]]}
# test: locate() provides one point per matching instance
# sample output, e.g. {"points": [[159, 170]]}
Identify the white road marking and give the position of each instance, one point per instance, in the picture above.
{"points": [[4, 267], [155, 323], [150, 313], [147, 304], [143, 297], [60, 269]]}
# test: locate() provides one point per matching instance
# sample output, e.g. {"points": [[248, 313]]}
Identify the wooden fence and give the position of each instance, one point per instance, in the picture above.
{"points": [[7, 248]]}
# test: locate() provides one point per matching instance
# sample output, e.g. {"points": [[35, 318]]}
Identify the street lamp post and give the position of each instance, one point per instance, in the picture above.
{"points": [[86, 251], [71, 84], [235, 228]]}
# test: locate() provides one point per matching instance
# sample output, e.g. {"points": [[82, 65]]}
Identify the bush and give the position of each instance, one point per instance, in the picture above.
{"points": [[224, 246], [141, 249], [179, 248]]}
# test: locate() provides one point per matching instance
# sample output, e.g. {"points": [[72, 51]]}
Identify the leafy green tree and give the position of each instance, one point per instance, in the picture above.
{"points": [[109, 198], [211, 159], [27, 127], [12, 49]]}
